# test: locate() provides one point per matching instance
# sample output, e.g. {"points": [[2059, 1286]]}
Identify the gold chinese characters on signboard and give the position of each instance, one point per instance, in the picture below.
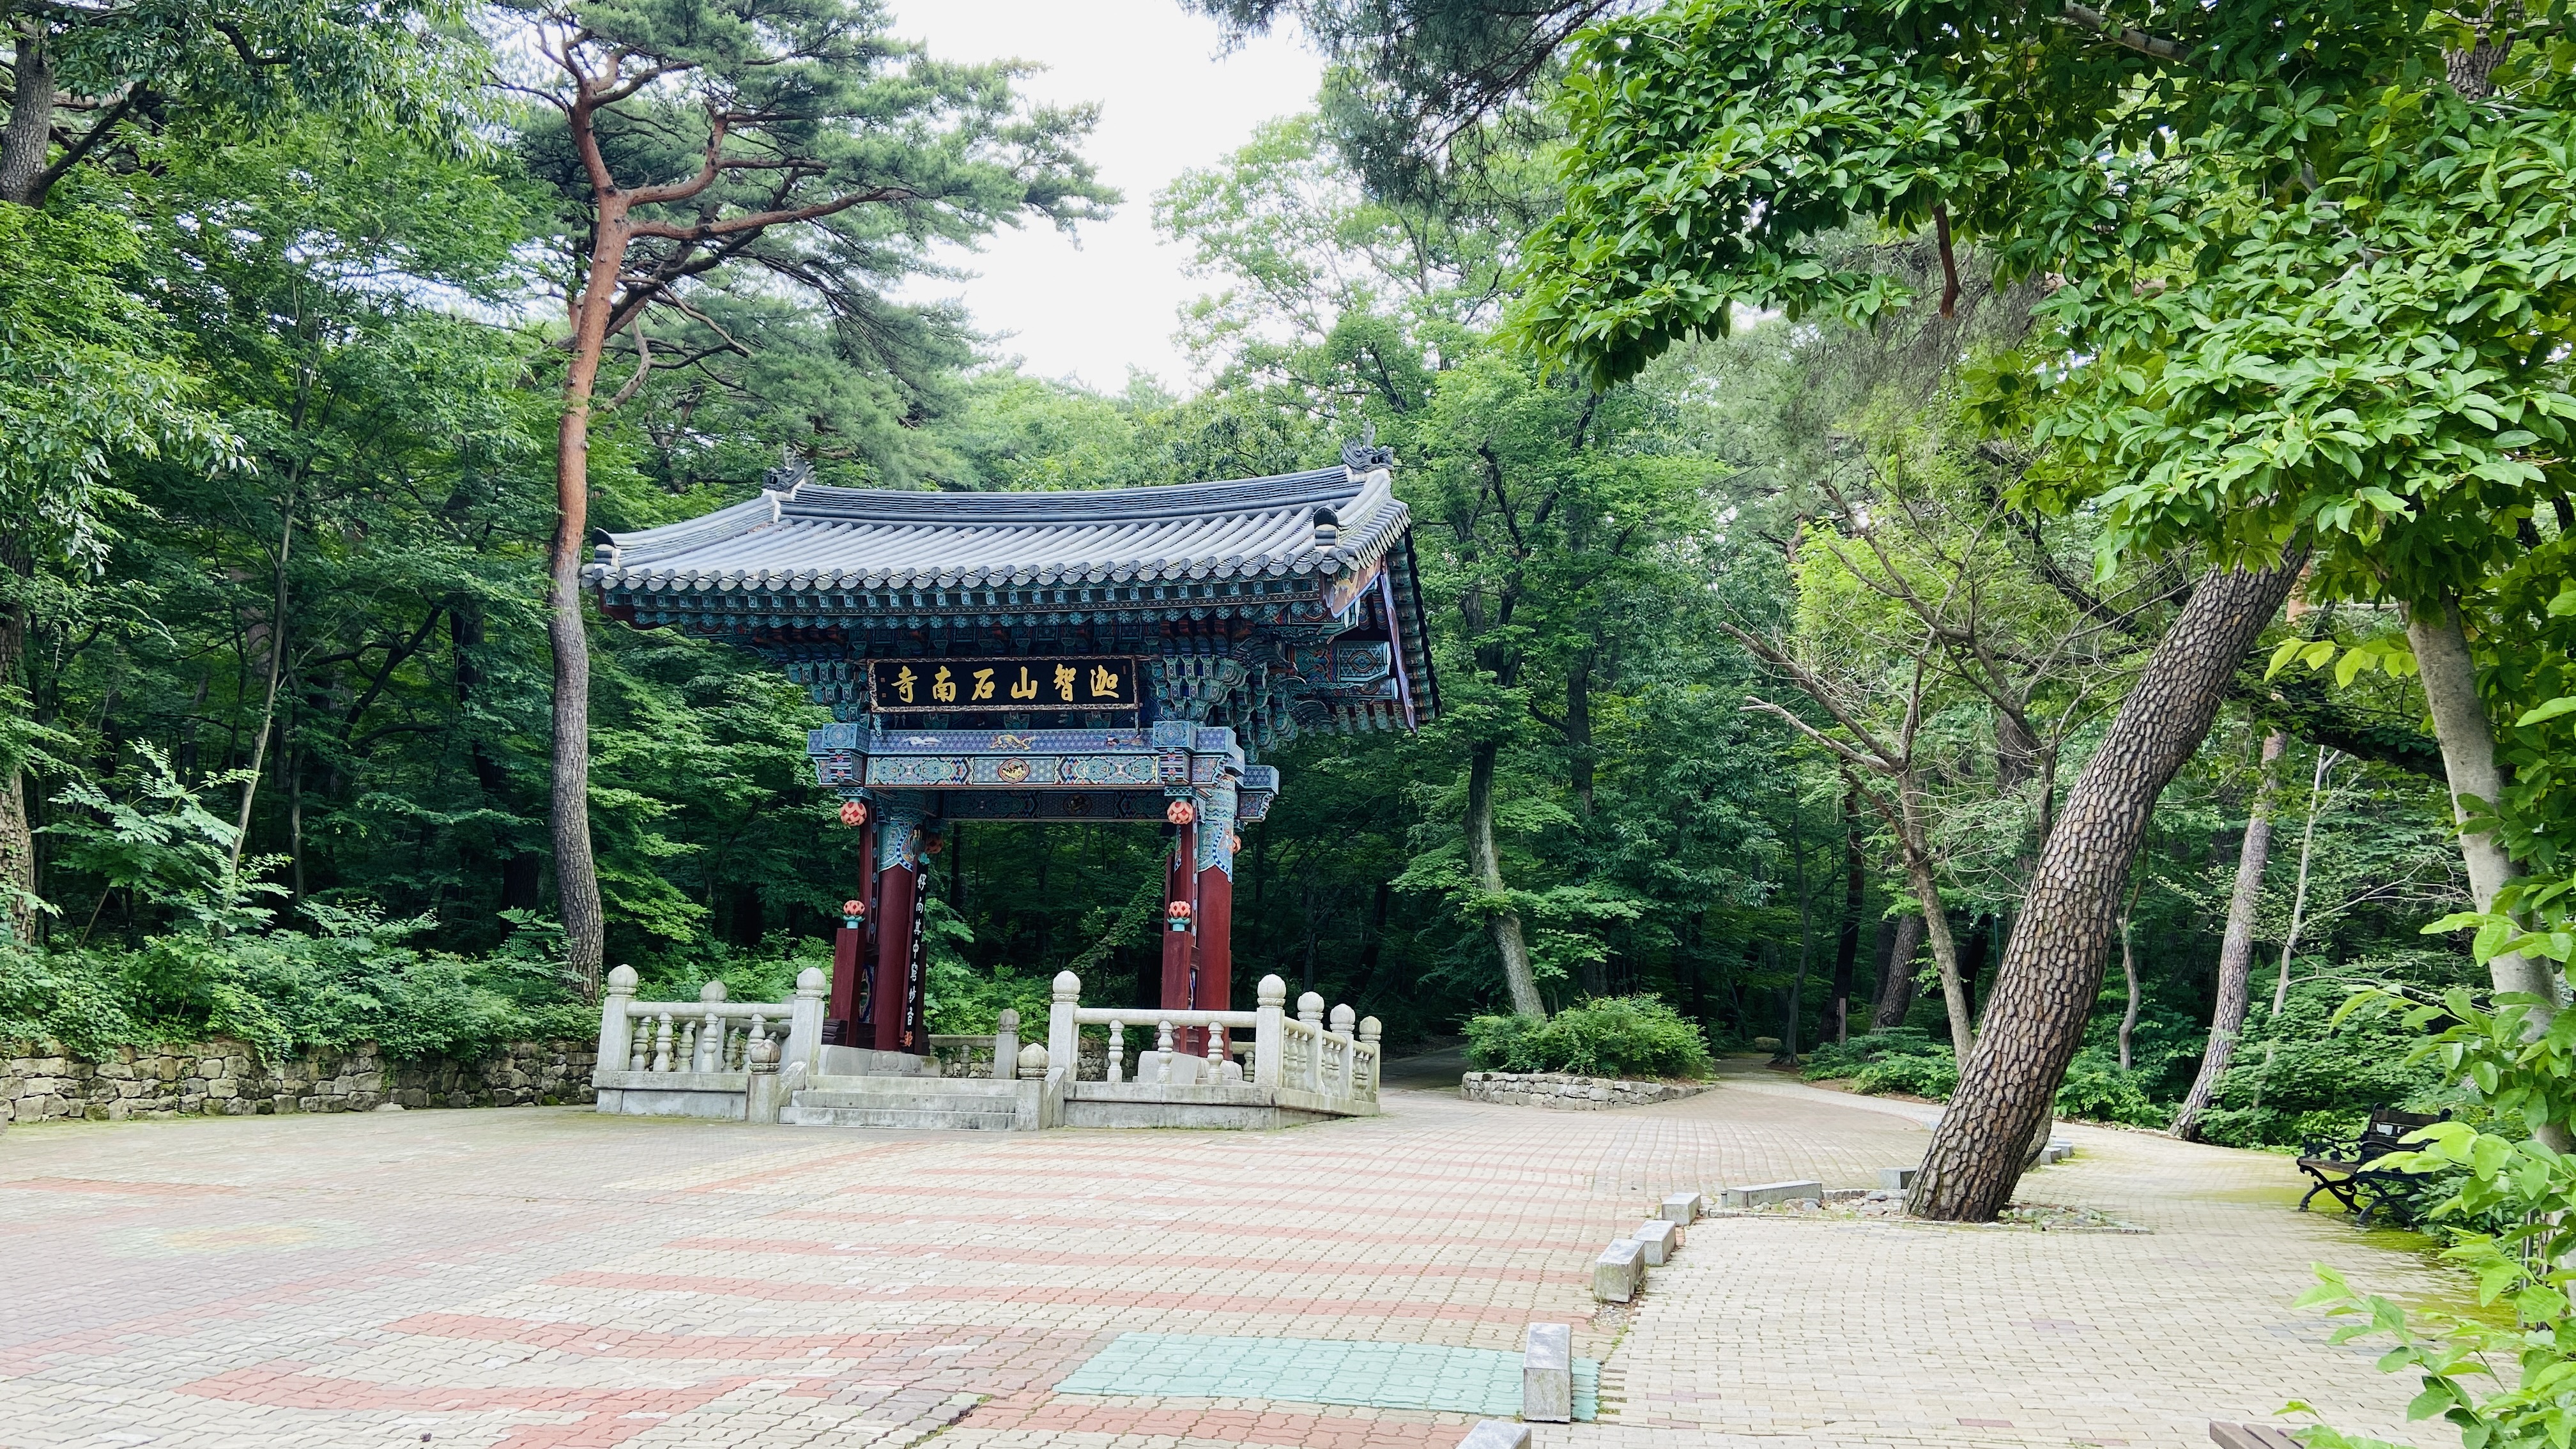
{"points": [[902, 686]]}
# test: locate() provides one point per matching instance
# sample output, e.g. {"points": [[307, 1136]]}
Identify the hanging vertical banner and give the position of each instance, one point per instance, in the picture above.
{"points": [[907, 686]]}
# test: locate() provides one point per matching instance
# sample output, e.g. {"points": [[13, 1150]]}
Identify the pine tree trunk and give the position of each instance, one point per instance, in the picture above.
{"points": [[2052, 968], [2236, 947], [25, 140], [17, 831], [1896, 974], [568, 795], [1482, 863]]}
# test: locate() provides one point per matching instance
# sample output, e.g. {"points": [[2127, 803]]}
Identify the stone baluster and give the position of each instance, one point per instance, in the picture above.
{"points": [[1216, 1055], [805, 1020], [686, 1053], [1117, 1051], [1006, 1043], [759, 1032], [640, 1058], [710, 1039], [1162, 1055], [1271, 1010], [1310, 1010], [616, 1030], [662, 1044], [1064, 1038]]}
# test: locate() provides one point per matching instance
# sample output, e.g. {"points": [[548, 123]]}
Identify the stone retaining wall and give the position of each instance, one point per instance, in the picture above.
{"points": [[1570, 1093], [228, 1078]]}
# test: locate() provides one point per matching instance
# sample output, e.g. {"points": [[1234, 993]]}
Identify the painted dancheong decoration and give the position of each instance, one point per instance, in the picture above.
{"points": [[1085, 655]]}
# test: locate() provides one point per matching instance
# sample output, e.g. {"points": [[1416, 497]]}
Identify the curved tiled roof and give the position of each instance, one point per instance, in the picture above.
{"points": [[809, 536]]}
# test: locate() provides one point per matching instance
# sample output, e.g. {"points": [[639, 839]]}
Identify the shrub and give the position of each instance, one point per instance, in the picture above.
{"points": [[1846, 1058], [1932, 1075], [350, 979], [1900, 1059], [1613, 1036], [1906, 1059], [2301, 1074], [2097, 1090]]}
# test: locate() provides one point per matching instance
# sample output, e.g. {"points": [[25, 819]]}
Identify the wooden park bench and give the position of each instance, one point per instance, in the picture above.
{"points": [[2343, 1169], [2250, 1436]]}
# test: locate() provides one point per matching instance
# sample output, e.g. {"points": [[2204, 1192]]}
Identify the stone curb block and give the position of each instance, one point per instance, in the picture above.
{"points": [[1547, 1374], [1655, 1239], [1758, 1194], [1496, 1434], [1897, 1179], [1684, 1207], [1619, 1272]]}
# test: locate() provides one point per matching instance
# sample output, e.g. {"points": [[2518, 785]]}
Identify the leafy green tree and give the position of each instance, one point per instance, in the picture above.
{"points": [[690, 141], [2269, 332]]}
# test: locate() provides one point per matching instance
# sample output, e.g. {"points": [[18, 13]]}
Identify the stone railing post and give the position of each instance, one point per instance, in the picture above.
{"points": [[1006, 1044], [805, 1019], [614, 1032], [1064, 1039], [1266, 1032], [1368, 1062], [763, 1092], [1344, 1021], [708, 1053]]}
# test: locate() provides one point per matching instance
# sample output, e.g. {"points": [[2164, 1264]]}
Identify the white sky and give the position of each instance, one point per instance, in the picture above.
{"points": [[1091, 306]]}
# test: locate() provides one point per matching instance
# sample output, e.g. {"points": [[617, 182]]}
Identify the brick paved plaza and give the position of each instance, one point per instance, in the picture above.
{"points": [[545, 1277]]}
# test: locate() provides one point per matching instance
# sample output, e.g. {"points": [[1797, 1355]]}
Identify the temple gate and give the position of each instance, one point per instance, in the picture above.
{"points": [[1106, 654]]}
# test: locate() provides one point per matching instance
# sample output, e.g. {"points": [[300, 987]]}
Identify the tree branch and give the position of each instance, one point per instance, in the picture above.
{"points": [[2129, 37]]}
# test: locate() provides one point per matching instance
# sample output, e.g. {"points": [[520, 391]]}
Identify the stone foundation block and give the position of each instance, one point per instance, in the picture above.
{"points": [[1497, 1434], [1897, 1179], [1683, 1207]]}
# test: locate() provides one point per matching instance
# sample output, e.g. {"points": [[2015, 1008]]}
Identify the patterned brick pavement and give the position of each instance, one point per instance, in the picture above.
{"points": [[551, 1277]]}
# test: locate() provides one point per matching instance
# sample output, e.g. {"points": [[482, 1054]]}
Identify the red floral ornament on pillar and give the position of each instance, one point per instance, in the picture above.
{"points": [[854, 813], [1180, 812], [1179, 913], [854, 912]]}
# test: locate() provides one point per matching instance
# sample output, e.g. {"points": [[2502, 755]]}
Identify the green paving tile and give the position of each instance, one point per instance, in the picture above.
{"points": [[1318, 1371]]}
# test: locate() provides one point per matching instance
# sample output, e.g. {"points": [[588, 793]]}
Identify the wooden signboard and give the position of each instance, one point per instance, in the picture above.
{"points": [[907, 686]]}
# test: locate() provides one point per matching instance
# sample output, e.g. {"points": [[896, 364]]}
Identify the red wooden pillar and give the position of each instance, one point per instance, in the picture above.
{"points": [[891, 1001], [1180, 886], [1214, 922], [849, 948]]}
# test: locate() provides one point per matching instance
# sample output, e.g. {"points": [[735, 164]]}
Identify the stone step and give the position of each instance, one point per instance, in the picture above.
{"points": [[939, 1092], [917, 1118]]}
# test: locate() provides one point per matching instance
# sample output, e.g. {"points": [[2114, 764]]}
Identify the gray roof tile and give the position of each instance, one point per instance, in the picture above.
{"points": [[808, 536]]}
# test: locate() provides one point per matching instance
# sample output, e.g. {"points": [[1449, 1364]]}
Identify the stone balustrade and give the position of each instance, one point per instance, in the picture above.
{"points": [[1307, 1062]]}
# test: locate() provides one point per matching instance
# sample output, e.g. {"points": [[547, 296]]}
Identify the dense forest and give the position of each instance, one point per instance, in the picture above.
{"points": [[1772, 650]]}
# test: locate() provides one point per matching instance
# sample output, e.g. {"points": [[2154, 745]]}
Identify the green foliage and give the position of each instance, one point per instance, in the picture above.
{"points": [[2311, 1072], [2096, 1090], [1624, 1036], [352, 977], [1902, 1060], [2506, 1215]]}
